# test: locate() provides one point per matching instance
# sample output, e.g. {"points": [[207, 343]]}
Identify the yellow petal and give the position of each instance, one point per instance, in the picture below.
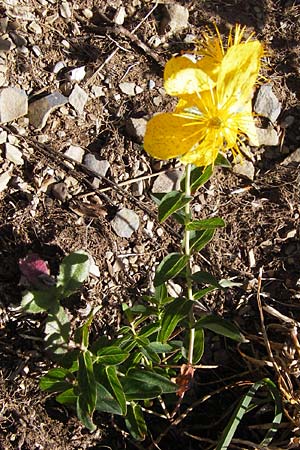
{"points": [[238, 71], [168, 136], [204, 154], [182, 76]]}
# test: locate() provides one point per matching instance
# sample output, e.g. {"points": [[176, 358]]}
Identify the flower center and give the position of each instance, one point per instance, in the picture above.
{"points": [[215, 122]]}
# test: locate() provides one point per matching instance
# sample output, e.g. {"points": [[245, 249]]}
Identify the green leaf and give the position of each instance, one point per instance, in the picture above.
{"points": [[206, 224], [112, 355], [199, 176], [170, 203], [244, 406], [106, 402], [137, 390], [220, 326], [135, 422], [148, 330], [198, 346], [170, 266], [158, 347], [67, 397], [202, 292], [116, 386], [82, 333], [151, 379], [222, 161], [229, 283], [57, 331], [54, 380], [205, 278], [40, 301], [86, 383], [150, 354], [74, 270], [173, 314], [83, 415], [199, 239]]}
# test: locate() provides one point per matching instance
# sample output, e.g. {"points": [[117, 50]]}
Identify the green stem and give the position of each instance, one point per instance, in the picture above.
{"points": [[188, 215]]}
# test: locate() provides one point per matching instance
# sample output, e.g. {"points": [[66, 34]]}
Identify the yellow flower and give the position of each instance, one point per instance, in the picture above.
{"points": [[214, 109]]}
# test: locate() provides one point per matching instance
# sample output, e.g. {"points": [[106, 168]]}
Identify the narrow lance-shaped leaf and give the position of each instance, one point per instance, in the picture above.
{"points": [[173, 314], [170, 266], [199, 239], [171, 202], [135, 422], [116, 387], [206, 224], [220, 326]]}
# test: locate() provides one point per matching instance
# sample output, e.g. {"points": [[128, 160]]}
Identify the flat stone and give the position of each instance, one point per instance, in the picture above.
{"points": [[5, 45], [266, 136], [267, 104], [76, 74], [97, 166], [65, 10], [35, 28], [18, 40], [4, 180], [293, 159], [120, 16], [97, 91], [75, 152], [60, 191], [125, 222], [78, 99], [245, 169], [128, 88], [136, 128], [39, 110], [3, 136], [175, 18], [13, 154], [13, 104], [167, 182]]}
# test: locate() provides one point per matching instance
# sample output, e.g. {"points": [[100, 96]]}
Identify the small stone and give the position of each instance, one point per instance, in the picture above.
{"points": [[13, 154], [137, 188], [88, 14], [5, 45], [189, 39], [157, 100], [3, 136], [65, 43], [125, 223], [35, 28], [65, 10], [60, 191], [151, 84], [138, 90], [120, 16], [244, 169], [75, 152], [13, 104], [36, 50], [266, 136], [167, 182], [128, 88], [293, 159], [97, 91], [78, 99], [39, 110], [18, 40], [175, 18], [58, 66], [76, 74], [267, 104], [97, 166], [4, 180], [3, 25], [136, 128]]}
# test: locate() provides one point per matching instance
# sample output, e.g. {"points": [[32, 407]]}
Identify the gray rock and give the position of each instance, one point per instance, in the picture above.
{"points": [[244, 169], [65, 10], [13, 104], [13, 154], [3, 25], [78, 99], [168, 181], [128, 88], [267, 104], [175, 18], [39, 110], [97, 166], [136, 128], [120, 16], [18, 40], [137, 188], [60, 191], [293, 159], [75, 152], [5, 45], [125, 222], [35, 28], [266, 136], [4, 180], [77, 74]]}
